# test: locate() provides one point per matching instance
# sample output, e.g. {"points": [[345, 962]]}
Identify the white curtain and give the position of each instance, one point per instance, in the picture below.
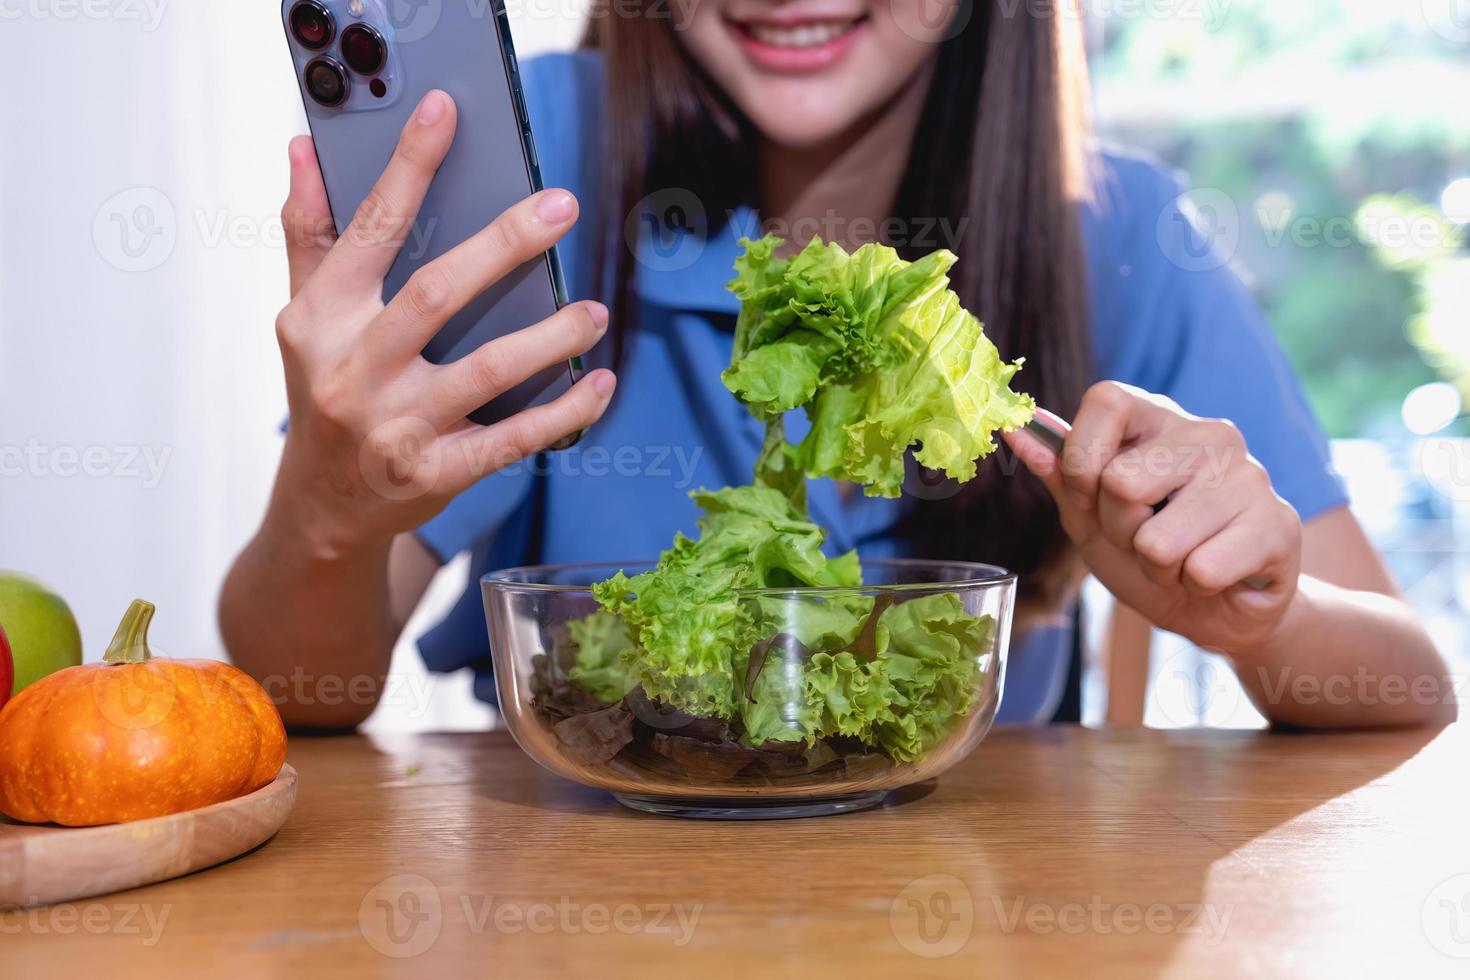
{"points": [[141, 268]]}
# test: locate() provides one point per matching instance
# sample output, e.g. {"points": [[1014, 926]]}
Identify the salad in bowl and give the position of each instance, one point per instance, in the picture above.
{"points": [[747, 672]]}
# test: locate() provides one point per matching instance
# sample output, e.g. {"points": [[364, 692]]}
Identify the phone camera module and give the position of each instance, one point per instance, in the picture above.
{"points": [[363, 49], [326, 82], [311, 25]]}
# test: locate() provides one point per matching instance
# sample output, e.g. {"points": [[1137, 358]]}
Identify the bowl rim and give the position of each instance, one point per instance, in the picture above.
{"points": [[985, 576]]}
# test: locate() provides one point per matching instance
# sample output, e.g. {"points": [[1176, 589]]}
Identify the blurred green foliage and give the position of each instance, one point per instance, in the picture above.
{"points": [[1334, 126]]}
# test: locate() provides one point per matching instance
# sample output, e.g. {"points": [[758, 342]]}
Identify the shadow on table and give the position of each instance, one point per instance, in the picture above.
{"points": [[1139, 819], [1019, 843]]}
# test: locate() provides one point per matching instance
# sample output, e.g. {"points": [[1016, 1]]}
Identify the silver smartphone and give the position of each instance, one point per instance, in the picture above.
{"points": [[363, 66]]}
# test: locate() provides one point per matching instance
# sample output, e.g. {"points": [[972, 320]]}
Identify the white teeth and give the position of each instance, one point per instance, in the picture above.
{"points": [[801, 36]]}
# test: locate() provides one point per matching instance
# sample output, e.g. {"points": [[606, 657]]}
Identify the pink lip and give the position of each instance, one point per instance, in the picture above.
{"points": [[796, 60]]}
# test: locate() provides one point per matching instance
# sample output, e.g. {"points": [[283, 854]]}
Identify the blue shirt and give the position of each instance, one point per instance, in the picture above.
{"points": [[1167, 316]]}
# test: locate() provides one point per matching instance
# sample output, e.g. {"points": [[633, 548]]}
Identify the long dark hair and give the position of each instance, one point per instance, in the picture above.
{"points": [[1001, 152]]}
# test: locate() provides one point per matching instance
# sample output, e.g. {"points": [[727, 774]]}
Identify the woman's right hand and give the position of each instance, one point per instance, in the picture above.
{"points": [[378, 441]]}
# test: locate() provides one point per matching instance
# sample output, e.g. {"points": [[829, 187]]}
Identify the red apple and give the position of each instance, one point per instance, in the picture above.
{"points": [[7, 669]]}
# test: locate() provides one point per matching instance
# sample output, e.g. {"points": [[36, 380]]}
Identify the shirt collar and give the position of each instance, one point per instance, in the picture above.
{"points": [[683, 269]]}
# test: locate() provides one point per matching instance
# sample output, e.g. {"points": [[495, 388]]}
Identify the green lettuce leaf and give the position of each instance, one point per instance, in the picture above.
{"points": [[685, 614], [603, 652], [882, 358], [930, 659], [880, 354]]}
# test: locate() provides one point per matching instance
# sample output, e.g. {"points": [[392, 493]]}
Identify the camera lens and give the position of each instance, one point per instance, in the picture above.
{"points": [[311, 23], [363, 49], [326, 81]]}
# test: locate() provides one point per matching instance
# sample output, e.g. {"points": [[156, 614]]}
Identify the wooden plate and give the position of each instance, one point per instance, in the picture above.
{"points": [[40, 865]]}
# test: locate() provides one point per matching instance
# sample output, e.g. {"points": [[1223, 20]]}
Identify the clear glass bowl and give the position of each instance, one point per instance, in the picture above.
{"points": [[854, 692]]}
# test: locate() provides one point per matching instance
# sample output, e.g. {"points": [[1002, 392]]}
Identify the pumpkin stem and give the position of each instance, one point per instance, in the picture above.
{"points": [[130, 644]]}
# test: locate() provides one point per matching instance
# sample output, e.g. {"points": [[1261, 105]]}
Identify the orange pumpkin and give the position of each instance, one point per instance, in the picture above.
{"points": [[135, 737]]}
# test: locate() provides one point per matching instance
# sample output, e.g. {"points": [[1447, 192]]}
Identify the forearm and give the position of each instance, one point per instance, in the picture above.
{"points": [[1345, 658], [317, 630]]}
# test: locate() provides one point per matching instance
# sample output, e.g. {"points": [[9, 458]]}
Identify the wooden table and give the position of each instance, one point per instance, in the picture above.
{"points": [[1060, 852]]}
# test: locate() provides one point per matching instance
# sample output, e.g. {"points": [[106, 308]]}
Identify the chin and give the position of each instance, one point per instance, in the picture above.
{"points": [[793, 125]]}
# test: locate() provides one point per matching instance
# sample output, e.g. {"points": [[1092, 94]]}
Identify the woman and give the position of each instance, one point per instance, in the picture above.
{"points": [[854, 119]]}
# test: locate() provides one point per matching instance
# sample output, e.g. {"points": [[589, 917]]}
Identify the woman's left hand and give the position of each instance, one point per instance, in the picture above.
{"points": [[1181, 565]]}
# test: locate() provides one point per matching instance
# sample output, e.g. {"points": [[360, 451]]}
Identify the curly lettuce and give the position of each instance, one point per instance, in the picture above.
{"points": [[604, 651], [881, 355], [685, 613], [882, 358]]}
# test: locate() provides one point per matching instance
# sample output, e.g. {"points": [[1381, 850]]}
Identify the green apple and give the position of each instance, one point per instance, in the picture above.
{"points": [[42, 632]]}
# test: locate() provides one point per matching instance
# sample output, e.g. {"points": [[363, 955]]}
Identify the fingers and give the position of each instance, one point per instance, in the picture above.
{"points": [[306, 217], [385, 218], [1037, 457], [496, 367], [1119, 520], [1111, 415], [1164, 540], [495, 447], [1046, 467], [439, 290], [1256, 543]]}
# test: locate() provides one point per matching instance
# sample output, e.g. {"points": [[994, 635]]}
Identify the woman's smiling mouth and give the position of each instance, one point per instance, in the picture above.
{"points": [[798, 45]]}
